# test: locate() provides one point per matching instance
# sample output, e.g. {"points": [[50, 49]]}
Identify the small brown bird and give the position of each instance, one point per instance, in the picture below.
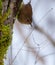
{"points": [[25, 14]]}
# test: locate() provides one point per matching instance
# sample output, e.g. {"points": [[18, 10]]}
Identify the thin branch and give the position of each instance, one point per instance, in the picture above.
{"points": [[21, 47], [37, 28]]}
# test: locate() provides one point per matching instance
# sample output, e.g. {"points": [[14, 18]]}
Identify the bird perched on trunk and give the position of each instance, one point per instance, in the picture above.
{"points": [[13, 9]]}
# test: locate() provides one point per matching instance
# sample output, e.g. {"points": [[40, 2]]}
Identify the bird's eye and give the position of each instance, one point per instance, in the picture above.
{"points": [[28, 20]]}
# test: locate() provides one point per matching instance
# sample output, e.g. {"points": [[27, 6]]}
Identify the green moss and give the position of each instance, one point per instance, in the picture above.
{"points": [[5, 40], [5, 34], [4, 16]]}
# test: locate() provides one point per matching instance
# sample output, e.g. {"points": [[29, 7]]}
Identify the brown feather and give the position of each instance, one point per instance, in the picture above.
{"points": [[25, 14]]}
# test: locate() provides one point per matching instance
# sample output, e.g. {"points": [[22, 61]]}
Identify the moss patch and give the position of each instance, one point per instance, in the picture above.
{"points": [[5, 40], [5, 34]]}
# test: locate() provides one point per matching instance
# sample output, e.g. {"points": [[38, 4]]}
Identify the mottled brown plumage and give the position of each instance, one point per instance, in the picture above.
{"points": [[25, 14]]}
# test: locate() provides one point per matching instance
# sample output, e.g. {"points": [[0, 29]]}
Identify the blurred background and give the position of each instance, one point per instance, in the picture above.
{"points": [[34, 45]]}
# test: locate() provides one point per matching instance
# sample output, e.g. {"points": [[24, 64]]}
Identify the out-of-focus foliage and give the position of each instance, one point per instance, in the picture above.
{"points": [[0, 7]]}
